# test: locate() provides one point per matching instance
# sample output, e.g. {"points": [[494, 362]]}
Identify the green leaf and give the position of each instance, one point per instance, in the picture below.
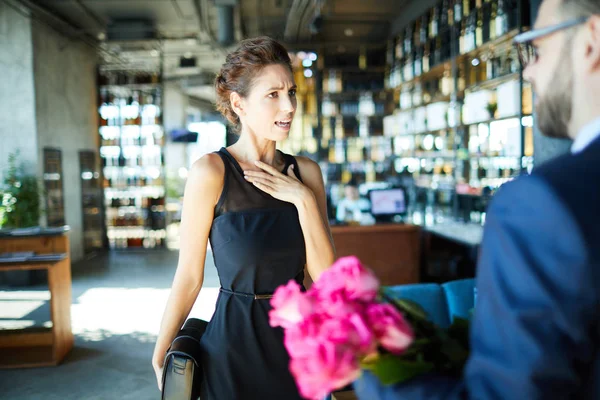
{"points": [[412, 308], [391, 369]]}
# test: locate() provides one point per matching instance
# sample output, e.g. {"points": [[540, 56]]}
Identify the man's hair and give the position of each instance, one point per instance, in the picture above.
{"points": [[580, 8]]}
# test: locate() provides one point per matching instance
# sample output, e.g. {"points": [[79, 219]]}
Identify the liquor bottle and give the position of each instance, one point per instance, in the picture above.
{"points": [[458, 12], [437, 52], [450, 12], [466, 9], [434, 23], [426, 57], [493, 14], [423, 32], [418, 65], [462, 45], [423, 45], [479, 27], [408, 54], [487, 10], [501, 19], [408, 37], [399, 53], [416, 39], [472, 40], [389, 53], [443, 15]]}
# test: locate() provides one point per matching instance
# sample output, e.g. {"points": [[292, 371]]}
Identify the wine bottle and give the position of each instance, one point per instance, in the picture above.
{"points": [[462, 48], [493, 14], [466, 9], [426, 57], [434, 23], [479, 27], [458, 11], [418, 61], [423, 32], [487, 10], [501, 19]]}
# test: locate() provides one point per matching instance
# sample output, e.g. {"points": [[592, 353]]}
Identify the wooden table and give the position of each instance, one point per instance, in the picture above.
{"points": [[391, 250], [40, 346]]}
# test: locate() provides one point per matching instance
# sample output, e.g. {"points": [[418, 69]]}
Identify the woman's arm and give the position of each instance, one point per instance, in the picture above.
{"points": [[320, 250], [202, 190]]}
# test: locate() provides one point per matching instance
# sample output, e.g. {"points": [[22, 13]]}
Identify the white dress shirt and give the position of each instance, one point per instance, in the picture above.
{"points": [[586, 136]]}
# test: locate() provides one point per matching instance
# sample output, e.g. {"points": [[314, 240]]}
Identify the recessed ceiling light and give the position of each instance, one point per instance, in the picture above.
{"points": [[312, 56], [101, 36], [190, 42], [348, 32], [188, 54], [154, 53], [308, 73]]}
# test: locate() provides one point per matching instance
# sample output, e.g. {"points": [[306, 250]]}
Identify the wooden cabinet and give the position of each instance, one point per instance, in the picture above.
{"points": [[40, 346], [391, 250]]}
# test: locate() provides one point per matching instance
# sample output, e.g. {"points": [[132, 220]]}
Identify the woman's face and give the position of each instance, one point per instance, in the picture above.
{"points": [[269, 108]]}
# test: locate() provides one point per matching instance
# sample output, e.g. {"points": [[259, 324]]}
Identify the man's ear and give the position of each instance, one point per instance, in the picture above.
{"points": [[592, 42], [237, 103]]}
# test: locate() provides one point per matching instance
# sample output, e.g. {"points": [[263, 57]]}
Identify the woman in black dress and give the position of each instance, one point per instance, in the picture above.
{"points": [[264, 212]]}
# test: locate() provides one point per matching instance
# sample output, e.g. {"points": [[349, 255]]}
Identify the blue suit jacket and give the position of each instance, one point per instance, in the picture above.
{"points": [[536, 329]]}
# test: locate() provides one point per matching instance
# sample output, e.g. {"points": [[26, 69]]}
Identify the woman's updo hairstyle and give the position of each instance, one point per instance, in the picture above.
{"points": [[241, 67]]}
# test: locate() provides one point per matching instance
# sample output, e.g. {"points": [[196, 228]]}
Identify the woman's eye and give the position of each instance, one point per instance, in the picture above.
{"points": [[293, 92], [273, 95]]}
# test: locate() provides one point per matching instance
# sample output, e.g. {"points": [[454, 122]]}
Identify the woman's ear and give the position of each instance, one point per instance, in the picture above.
{"points": [[237, 103], [593, 42]]}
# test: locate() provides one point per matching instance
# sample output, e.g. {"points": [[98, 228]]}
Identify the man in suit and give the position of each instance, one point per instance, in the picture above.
{"points": [[536, 329]]}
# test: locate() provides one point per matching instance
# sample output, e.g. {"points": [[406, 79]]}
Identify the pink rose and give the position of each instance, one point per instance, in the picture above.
{"points": [[390, 327], [303, 338], [330, 367], [290, 305], [334, 303], [349, 275], [350, 331]]}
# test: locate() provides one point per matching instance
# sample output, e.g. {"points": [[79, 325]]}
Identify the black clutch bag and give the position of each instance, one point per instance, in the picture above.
{"points": [[182, 369]]}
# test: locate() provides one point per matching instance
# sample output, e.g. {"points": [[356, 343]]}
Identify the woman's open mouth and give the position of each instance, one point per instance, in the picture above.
{"points": [[284, 124]]}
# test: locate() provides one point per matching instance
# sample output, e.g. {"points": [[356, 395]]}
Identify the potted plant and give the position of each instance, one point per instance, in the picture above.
{"points": [[19, 208], [492, 107], [20, 197]]}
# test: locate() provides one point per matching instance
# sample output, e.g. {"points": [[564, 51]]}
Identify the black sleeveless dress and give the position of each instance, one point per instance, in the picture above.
{"points": [[257, 245]]}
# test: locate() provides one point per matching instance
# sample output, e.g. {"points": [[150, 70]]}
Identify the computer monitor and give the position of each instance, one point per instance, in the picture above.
{"points": [[386, 203]]}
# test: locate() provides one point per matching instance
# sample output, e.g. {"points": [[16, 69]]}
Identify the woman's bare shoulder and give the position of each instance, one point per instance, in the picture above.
{"points": [[207, 172], [308, 167]]}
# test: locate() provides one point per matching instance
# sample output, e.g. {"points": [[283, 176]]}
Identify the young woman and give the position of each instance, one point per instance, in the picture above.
{"points": [[265, 215]]}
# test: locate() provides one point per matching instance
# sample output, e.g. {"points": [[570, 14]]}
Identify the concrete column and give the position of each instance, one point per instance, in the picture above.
{"points": [[66, 113], [17, 93]]}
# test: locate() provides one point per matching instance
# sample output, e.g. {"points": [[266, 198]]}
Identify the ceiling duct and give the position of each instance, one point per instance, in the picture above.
{"points": [[130, 29], [225, 17], [225, 33]]}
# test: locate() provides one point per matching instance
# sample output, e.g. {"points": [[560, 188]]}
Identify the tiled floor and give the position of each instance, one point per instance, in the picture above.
{"points": [[118, 301]]}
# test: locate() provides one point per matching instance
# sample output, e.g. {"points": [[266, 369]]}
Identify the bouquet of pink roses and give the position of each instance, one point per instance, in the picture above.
{"points": [[345, 323]]}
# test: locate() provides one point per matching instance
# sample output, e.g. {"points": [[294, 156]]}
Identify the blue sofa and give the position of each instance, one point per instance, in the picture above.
{"points": [[441, 302]]}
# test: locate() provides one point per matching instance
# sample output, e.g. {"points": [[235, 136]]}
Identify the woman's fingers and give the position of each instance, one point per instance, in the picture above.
{"points": [[266, 167], [260, 175], [264, 187]]}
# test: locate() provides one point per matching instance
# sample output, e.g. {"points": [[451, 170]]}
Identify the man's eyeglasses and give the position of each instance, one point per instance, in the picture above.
{"points": [[527, 51]]}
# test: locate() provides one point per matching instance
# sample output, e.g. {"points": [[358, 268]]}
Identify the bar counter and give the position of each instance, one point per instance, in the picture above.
{"points": [[391, 250]]}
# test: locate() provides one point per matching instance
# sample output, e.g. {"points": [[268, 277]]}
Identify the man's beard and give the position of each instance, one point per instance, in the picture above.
{"points": [[554, 109]]}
